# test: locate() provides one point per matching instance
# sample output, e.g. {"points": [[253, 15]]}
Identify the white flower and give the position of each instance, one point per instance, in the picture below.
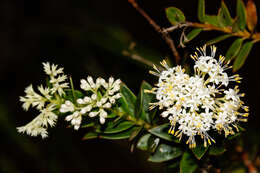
{"points": [[75, 119], [52, 70], [197, 104]]}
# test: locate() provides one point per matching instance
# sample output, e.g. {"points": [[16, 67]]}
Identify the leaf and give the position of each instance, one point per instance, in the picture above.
{"points": [[224, 17], [201, 11], [128, 100], [212, 19], [123, 135], [164, 153], [216, 150], [251, 14], [112, 115], [135, 133], [162, 132], [142, 103], [69, 94], [175, 15], [143, 143], [88, 125], [199, 151], [218, 39], [241, 14], [242, 55], [234, 49], [192, 34], [90, 135], [122, 126], [153, 144], [188, 164]]}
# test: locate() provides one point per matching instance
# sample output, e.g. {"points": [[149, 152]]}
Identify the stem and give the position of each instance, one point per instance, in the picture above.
{"points": [[72, 89]]}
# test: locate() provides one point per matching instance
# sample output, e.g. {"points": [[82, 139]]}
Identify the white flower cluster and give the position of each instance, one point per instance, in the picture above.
{"points": [[44, 102], [101, 95], [196, 104]]}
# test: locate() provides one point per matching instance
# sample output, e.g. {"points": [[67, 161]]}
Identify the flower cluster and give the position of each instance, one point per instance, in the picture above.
{"points": [[101, 95], [44, 101], [202, 102]]}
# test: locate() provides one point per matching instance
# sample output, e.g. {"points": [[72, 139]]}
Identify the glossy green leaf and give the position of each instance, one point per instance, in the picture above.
{"points": [[122, 126], [114, 136], [212, 19], [192, 34], [218, 39], [201, 10], [234, 49], [128, 100], [143, 143], [199, 151], [188, 164], [242, 55], [90, 135], [224, 16], [216, 150], [241, 14], [164, 153], [162, 132], [175, 15], [153, 144], [143, 101]]}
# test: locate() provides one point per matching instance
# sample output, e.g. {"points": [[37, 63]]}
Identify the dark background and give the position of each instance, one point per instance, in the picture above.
{"points": [[87, 37]]}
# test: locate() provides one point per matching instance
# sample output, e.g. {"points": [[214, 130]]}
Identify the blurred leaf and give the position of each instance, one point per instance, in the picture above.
{"points": [[143, 143], [188, 164], [192, 34], [211, 19], [224, 17], [175, 15], [242, 55], [199, 151], [251, 15], [162, 132], [142, 103], [231, 137], [234, 49], [218, 39], [164, 153], [90, 135], [69, 94], [128, 100], [88, 125], [112, 115], [241, 14], [122, 126], [201, 11], [136, 133], [174, 167], [216, 150], [123, 135]]}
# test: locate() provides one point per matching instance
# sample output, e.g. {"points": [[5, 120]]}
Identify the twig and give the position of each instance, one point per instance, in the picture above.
{"points": [[248, 163], [165, 35]]}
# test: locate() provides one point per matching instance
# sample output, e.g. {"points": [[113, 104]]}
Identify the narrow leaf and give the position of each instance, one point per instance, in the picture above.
{"points": [[241, 14], [212, 19], [114, 136], [128, 100], [224, 17], [175, 15], [143, 143], [122, 126], [199, 151], [192, 34], [90, 135], [251, 15], [216, 150], [242, 55], [218, 39], [135, 133], [234, 49], [164, 153], [201, 11], [188, 164], [162, 132]]}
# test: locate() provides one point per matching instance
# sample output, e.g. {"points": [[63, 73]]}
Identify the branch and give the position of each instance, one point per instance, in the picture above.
{"points": [[157, 28]]}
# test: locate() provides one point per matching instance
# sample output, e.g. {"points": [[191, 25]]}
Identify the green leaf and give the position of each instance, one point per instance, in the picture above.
{"points": [[123, 135], [192, 34], [212, 19], [188, 164], [135, 133], [164, 153], [216, 150], [69, 94], [199, 151], [175, 15], [142, 103], [143, 143], [234, 49], [88, 125], [162, 132], [112, 115], [128, 100], [90, 135], [201, 11], [242, 55], [218, 39], [241, 14], [122, 126], [224, 17]]}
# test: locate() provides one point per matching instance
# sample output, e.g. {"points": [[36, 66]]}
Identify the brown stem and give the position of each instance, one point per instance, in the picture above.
{"points": [[157, 28]]}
